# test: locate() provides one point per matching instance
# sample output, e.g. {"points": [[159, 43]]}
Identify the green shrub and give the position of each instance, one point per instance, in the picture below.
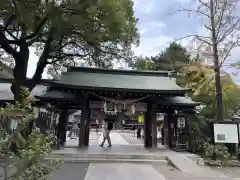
{"points": [[216, 152], [22, 150]]}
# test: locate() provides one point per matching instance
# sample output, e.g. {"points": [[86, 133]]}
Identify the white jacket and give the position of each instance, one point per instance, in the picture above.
{"points": [[105, 130]]}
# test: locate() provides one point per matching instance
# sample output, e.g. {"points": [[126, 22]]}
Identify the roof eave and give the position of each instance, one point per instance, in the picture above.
{"points": [[90, 88]]}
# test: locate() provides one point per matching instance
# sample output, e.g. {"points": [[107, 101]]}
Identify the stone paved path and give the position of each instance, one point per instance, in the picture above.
{"points": [[131, 140], [125, 143], [70, 171], [122, 172], [95, 139], [116, 139]]}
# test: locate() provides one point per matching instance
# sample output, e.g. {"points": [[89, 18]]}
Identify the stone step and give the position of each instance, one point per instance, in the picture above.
{"points": [[110, 156], [102, 160]]}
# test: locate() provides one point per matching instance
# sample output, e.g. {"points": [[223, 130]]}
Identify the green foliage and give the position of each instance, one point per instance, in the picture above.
{"points": [[21, 150], [216, 152], [201, 80], [174, 57], [142, 63], [68, 32], [195, 128]]}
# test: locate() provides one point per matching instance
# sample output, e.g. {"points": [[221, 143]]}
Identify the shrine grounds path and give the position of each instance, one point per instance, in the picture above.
{"points": [[130, 171]]}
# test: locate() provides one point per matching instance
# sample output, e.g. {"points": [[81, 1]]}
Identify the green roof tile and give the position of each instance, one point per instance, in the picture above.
{"points": [[120, 80]]}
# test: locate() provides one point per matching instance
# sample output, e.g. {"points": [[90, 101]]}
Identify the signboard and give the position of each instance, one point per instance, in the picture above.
{"points": [[181, 122], [225, 133]]}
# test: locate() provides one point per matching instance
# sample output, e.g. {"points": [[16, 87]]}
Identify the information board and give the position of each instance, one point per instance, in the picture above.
{"points": [[225, 133]]}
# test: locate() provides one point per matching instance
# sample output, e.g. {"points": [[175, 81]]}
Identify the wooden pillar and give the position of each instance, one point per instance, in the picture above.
{"points": [[167, 127], [62, 126], [84, 117], [87, 125], [165, 130], [154, 126], [148, 128], [170, 120]]}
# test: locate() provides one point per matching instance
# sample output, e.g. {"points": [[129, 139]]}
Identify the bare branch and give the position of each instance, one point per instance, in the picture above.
{"points": [[207, 27], [227, 53], [228, 31], [198, 37], [204, 4], [197, 11], [220, 17]]}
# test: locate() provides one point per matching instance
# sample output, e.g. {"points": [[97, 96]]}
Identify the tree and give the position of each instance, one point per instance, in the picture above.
{"points": [[221, 22], [21, 149], [201, 79], [142, 63], [173, 58], [64, 33]]}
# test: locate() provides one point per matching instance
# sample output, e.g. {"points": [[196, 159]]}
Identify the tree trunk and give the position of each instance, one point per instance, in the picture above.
{"points": [[20, 71], [219, 109]]}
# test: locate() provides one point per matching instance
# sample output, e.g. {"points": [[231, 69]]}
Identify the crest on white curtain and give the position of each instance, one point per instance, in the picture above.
{"points": [[133, 109], [105, 106]]}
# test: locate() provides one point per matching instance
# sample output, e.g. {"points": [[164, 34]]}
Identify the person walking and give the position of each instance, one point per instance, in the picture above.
{"points": [[106, 134], [97, 126], [133, 130], [139, 132]]}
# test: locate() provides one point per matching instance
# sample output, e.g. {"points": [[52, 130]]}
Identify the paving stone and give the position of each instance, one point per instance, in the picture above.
{"points": [[116, 139], [69, 171], [124, 143], [122, 172]]}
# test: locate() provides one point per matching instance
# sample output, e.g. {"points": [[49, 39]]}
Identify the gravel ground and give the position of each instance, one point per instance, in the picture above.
{"points": [[230, 171], [171, 173]]}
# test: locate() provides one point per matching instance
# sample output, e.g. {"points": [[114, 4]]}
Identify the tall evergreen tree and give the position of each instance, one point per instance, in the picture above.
{"points": [[64, 33]]}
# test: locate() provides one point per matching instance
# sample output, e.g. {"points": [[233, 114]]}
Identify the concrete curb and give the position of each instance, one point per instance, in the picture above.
{"points": [[95, 160], [111, 156]]}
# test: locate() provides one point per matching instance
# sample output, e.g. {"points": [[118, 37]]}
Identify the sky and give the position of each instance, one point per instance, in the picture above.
{"points": [[158, 25]]}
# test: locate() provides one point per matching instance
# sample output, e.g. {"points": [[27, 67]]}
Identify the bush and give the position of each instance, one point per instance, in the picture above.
{"points": [[22, 146], [217, 152]]}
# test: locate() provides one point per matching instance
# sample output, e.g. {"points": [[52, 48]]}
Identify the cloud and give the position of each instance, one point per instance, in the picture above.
{"points": [[158, 25]]}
